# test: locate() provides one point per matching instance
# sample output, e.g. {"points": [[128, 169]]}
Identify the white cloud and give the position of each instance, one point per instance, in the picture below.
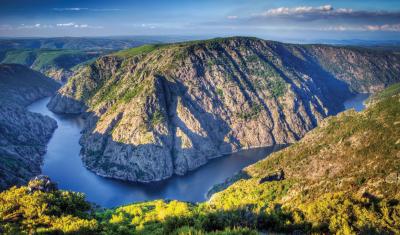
{"points": [[71, 9], [85, 9], [284, 11], [66, 24], [149, 26], [232, 17], [385, 27], [28, 26], [73, 25]]}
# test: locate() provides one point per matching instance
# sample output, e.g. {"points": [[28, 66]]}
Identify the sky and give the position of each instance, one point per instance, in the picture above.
{"points": [[270, 19]]}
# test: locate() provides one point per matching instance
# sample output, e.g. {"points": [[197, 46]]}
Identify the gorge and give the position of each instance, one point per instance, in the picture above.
{"points": [[62, 162], [161, 110]]}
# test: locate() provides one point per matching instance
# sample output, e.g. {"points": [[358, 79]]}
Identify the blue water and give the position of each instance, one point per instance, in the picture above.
{"points": [[356, 102], [63, 164]]}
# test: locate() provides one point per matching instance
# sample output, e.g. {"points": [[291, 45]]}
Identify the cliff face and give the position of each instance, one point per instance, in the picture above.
{"points": [[23, 135], [158, 110]]}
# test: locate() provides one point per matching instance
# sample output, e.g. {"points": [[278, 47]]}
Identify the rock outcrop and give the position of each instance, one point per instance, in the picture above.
{"points": [[23, 135], [155, 111], [41, 183]]}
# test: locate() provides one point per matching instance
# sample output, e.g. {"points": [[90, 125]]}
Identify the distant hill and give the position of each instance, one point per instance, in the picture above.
{"points": [[23, 135], [58, 57], [55, 63], [164, 109], [85, 43]]}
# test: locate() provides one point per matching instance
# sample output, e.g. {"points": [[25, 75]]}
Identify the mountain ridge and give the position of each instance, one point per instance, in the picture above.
{"points": [[160, 110]]}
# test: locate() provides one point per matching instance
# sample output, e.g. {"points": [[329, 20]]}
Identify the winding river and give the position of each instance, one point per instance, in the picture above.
{"points": [[63, 164]]}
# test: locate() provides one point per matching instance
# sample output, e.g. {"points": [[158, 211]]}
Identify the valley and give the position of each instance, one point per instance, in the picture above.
{"points": [[161, 110], [62, 162], [211, 117], [320, 185], [131, 131]]}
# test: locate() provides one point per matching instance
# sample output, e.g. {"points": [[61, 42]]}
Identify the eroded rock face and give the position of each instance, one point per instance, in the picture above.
{"points": [[170, 110], [23, 135], [59, 74]]}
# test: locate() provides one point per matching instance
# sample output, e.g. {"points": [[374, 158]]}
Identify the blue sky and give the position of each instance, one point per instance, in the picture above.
{"points": [[272, 19]]}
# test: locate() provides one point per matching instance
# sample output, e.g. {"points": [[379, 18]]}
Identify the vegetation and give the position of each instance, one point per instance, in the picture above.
{"points": [[388, 92], [156, 118], [277, 87], [329, 187], [252, 113], [138, 50], [44, 59], [40, 212]]}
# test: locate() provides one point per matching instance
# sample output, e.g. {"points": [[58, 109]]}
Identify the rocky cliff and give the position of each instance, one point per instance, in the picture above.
{"points": [[23, 135], [160, 110]]}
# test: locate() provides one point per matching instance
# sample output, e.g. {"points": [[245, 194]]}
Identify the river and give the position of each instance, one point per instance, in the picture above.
{"points": [[63, 164]]}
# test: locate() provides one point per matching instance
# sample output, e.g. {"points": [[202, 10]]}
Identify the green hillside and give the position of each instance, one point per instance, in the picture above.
{"points": [[42, 59], [58, 64], [342, 177]]}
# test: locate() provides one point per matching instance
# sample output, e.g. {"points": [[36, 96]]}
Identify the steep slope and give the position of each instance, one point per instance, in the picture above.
{"points": [[23, 135], [159, 110], [342, 178], [352, 152], [57, 64]]}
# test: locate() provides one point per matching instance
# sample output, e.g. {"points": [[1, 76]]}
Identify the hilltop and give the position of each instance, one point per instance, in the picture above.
{"points": [[159, 110]]}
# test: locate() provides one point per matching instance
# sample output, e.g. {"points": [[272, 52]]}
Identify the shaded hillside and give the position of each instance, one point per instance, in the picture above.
{"points": [[57, 64], [23, 135], [341, 178], [159, 110]]}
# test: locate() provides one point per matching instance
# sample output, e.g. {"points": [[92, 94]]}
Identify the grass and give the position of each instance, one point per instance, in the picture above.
{"points": [[388, 92], [138, 50]]}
